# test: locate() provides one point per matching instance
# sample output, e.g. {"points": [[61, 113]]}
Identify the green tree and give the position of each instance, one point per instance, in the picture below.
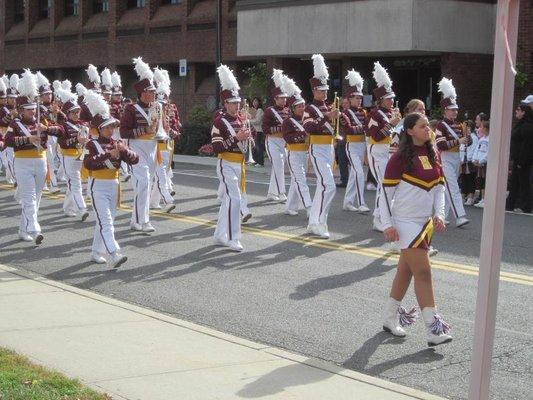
{"points": [[257, 81]]}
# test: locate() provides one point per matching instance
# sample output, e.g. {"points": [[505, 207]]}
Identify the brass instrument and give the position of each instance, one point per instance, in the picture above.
{"points": [[336, 122], [38, 145], [84, 132], [248, 156], [156, 115]]}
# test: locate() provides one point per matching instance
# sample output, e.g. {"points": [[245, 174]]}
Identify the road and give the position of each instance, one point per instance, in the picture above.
{"points": [[314, 297]]}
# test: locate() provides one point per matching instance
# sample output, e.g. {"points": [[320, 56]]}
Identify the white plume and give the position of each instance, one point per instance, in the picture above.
{"points": [[115, 78], [320, 70], [355, 79], [163, 89], [161, 77], [227, 79], [41, 79], [106, 77], [92, 73], [447, 89], [6, 80], [381, 76], [96, 104], [56, 85], [80, 89], [3, 87], [277, 76], [142, 69], [66, 84], [14, 82], [290, 87], [65, 95], [28, 85]]}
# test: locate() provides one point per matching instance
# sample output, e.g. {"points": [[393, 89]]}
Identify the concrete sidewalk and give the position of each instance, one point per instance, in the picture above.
{"points": [[134, 353]]}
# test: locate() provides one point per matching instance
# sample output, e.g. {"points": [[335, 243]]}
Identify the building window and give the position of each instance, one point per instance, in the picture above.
{"points": [[171, 2], [72, 7], [44, 8], [136, 3], [19, 11], [100, 6]]}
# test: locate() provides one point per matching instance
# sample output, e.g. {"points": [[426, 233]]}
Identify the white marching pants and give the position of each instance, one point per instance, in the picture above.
{"points": [[322, 160], [104, 194], [229, 215], [451, 163], [378, 157], [355, 188], [244, 199], [275, 148], [51, 154], [160, 186], [142, 172], [9, 155], [31, 174], [298, 190], [74, 201]]}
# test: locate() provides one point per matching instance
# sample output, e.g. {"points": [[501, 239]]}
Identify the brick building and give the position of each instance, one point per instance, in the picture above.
{"points": [[417, 40]]}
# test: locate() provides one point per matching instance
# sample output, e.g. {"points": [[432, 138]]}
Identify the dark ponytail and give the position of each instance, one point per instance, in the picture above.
{"points": [[407, 147]]}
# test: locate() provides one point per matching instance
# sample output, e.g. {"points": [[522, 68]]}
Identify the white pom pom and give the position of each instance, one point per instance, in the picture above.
{"points": [[381, 76], [320, 70], [92, 73], [355, 79], [142, 69], [447, 89], [227, 79]]}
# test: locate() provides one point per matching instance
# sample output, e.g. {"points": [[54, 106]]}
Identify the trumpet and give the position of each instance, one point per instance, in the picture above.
{"points": [[249, 159], [39, 147], [336, 106], [156, 115]]}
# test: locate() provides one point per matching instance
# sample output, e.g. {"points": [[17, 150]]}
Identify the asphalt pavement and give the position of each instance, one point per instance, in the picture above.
{"points": [[317, 298]]}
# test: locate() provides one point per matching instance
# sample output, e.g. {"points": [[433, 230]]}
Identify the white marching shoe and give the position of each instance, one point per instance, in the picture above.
{"points": [[97, 258], [220, 242], [461, 221], [349, 207], [290, 212], [148, 228], [396, 318], [272, 197], [320, 230], [363, 208], [136, 227], [235, 245], [116, 260], [437, 329], [25, 237], [282, 197]]}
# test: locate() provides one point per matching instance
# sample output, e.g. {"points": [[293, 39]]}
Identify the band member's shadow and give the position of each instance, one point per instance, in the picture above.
{"points": [[314, 287], [360, 358]]}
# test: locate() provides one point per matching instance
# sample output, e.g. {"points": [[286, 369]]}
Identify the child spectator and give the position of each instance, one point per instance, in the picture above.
{"points": [[468, 170], [479, 159]]}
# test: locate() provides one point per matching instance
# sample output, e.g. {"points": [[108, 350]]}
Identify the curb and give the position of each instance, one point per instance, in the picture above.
{"points": [[309, 361]]}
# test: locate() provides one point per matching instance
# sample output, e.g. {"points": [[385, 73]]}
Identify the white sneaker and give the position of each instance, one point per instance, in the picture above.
{"points": [[437, 329], [70, 214], [363, 208], [282, 197], [98, 258], [147, 227], [246, 217], [432, 251], [235, 245], [168, 208], [272, 197], [25, 237], [480, 204], [220, 242], [83, 215], [320, 230], [461, 221], [290, 212], [349, 207], [116, 260], [136, 227]]}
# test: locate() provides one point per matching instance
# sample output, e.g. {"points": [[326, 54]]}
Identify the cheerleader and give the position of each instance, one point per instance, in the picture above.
{"points": [[297, 144], [103, 158], [28, 138], [413, 190]]}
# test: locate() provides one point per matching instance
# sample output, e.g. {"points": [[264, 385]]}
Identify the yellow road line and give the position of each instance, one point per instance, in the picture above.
{"points": [[371, 252]]}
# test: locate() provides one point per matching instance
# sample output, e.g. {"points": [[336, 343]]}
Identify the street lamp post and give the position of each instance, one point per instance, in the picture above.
{"points": [[218, 60]]}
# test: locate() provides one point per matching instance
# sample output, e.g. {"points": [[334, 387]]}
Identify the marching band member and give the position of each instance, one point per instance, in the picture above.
{"points": [[160, 186], [413, 206], [317, 124], [72, 140], [117, 109], [352, 127], [450, 136], [139, 127], [229, 137], [298, 147], [28, 136], [103, 162], [275, 144], [379, 129], [4, 123], [175, 124], [9, 113]]}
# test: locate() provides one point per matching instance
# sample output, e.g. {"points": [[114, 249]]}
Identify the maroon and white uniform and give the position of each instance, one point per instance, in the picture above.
{"points": [[104, 190], [320, 131], [134, 126], [6, 154], [30, 169], [273, 118], [413, 197], [448, 134], [298, 145], [352, 128], [378, 131], [229, 170]]}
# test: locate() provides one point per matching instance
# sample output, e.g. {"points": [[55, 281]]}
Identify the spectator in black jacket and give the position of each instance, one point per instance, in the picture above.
{"points": [[521, 161]]}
